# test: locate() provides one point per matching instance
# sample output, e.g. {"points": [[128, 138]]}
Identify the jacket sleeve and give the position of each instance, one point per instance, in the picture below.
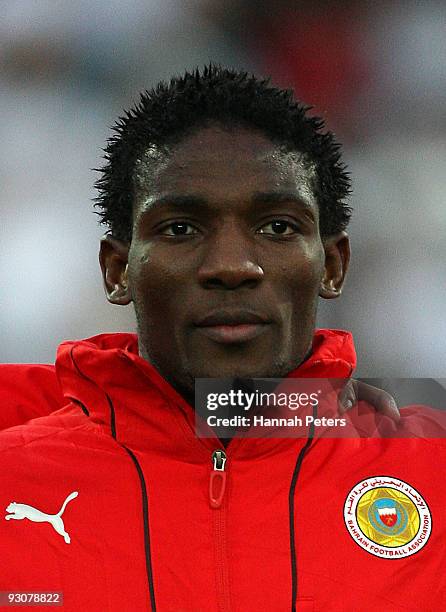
{"points": [[27, 391]]}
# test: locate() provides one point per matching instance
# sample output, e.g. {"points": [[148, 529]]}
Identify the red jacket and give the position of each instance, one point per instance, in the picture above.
{"points": [[306, 524]]}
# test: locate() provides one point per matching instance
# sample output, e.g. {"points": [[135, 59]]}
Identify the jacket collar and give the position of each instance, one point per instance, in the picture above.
{"points": [[127, 395]]}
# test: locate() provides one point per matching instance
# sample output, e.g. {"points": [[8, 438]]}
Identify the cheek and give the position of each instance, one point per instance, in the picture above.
{"points": [[304, 274], [155, 278]]}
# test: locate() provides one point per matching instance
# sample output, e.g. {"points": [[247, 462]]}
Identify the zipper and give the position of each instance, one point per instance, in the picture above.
{"points": [[217, 482], [217, 488]]}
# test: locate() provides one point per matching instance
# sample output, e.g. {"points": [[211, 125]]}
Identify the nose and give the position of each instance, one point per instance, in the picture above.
{"points": [[229, 261]]}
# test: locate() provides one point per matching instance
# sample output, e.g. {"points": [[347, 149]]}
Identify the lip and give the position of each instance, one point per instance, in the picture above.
{"points": [[231, 317], [228, 327], [228, 334]]}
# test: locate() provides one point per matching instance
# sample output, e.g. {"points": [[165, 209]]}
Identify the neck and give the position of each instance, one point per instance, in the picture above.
{"points": [[187, 392]]}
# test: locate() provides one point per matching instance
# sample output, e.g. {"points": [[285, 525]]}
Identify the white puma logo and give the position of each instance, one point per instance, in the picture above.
{"points": [[21, 511]]}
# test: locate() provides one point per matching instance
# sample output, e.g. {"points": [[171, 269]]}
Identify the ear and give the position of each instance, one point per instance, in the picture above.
{"points": [[337, 258], [113, 258]]}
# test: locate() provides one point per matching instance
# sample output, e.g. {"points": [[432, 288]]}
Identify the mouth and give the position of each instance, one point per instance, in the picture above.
{"points": [[229, 334], [230, 327]]}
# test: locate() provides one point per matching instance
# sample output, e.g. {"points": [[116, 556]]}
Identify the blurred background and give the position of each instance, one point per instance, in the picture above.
{"points": [[375, 71]]}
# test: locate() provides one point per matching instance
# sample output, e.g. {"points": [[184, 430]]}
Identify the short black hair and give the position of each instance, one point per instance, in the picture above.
{"points": [[230, 97]]}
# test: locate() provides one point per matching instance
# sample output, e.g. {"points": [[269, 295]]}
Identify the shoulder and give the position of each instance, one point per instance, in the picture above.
{"points": [[419, 421], [27, 391], [62, 432]]}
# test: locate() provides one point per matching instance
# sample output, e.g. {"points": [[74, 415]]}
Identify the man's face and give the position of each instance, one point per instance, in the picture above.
{"points": [[226, 260]]}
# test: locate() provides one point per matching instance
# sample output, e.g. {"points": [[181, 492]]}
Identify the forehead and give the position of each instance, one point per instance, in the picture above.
{"points": [[225, 164]]}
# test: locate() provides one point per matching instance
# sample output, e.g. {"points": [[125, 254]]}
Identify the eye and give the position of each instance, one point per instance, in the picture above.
{"points": [[279, 227], [178, 228]]}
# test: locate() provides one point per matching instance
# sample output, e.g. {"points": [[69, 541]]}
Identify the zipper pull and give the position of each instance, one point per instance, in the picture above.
{"points": [[217, 483]]}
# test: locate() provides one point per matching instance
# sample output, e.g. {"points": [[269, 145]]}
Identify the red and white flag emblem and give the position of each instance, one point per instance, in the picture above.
{"points": [[388, 516]]}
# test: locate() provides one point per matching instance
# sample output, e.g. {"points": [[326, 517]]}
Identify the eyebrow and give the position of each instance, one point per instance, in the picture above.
{"points": [[177, 201], [279, 197], [259, 198]]}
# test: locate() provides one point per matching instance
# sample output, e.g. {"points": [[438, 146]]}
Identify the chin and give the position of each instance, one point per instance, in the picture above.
{"points": [[244, 370]]}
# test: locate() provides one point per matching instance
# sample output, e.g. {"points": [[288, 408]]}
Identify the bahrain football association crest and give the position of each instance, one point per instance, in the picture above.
{"points": [[387, 517]]}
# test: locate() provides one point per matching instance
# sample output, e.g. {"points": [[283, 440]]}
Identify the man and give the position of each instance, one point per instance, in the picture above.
{"points": [[227, 217]]}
